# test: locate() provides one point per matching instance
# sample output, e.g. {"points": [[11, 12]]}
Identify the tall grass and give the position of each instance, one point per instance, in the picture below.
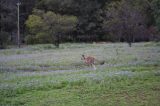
{"points": [[42, 75]]}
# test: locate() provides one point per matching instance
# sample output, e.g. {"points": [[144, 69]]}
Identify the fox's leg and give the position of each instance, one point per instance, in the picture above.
{"points": [[94, 67]]}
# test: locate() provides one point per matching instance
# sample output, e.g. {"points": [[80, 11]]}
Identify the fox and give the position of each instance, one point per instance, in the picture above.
{"points": [[90, 61]]}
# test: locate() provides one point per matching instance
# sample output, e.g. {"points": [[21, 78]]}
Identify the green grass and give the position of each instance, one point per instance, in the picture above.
{"points": [[42, 75]]}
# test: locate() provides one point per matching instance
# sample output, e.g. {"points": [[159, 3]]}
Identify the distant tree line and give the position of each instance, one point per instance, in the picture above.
{"points": [[56, 21]]}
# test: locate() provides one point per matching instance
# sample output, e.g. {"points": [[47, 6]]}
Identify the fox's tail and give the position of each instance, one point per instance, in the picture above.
{"points": [[101, 62]]}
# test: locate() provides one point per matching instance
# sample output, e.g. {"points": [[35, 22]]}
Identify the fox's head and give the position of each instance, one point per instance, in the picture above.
{"points": [[83, 57]]}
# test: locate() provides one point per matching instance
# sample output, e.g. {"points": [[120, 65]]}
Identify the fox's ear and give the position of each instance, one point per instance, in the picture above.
{"points": [[82, 58]]}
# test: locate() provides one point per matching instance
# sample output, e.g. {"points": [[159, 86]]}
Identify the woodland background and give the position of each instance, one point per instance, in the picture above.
{"points": [[58, 21]]}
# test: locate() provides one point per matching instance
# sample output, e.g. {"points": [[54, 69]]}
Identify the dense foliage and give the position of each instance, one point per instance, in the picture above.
{"points": [[156, 12], [48, 27], [94, 20], [126, 21], [7, 22]]}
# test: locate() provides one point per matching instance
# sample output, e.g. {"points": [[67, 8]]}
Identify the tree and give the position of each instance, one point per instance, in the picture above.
{"points": [[35, 25], [7, 23], [58, 25], [26, 8], [155, 5], [125, 21], [50, 26], [88, 12], [8, 11]]}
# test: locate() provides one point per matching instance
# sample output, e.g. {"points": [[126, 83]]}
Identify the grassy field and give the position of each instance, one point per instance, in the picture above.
{"points": [[42, 75]]}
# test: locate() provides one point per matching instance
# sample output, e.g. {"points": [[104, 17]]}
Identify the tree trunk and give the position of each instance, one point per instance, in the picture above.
{"points": [[57, 40]]}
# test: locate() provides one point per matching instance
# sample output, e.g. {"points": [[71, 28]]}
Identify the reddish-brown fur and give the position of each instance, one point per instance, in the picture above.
{"points": [[89, 60]]}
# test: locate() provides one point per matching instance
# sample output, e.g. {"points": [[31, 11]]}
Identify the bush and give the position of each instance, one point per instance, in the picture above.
{"points": [[30, 39], [43, 38]]}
